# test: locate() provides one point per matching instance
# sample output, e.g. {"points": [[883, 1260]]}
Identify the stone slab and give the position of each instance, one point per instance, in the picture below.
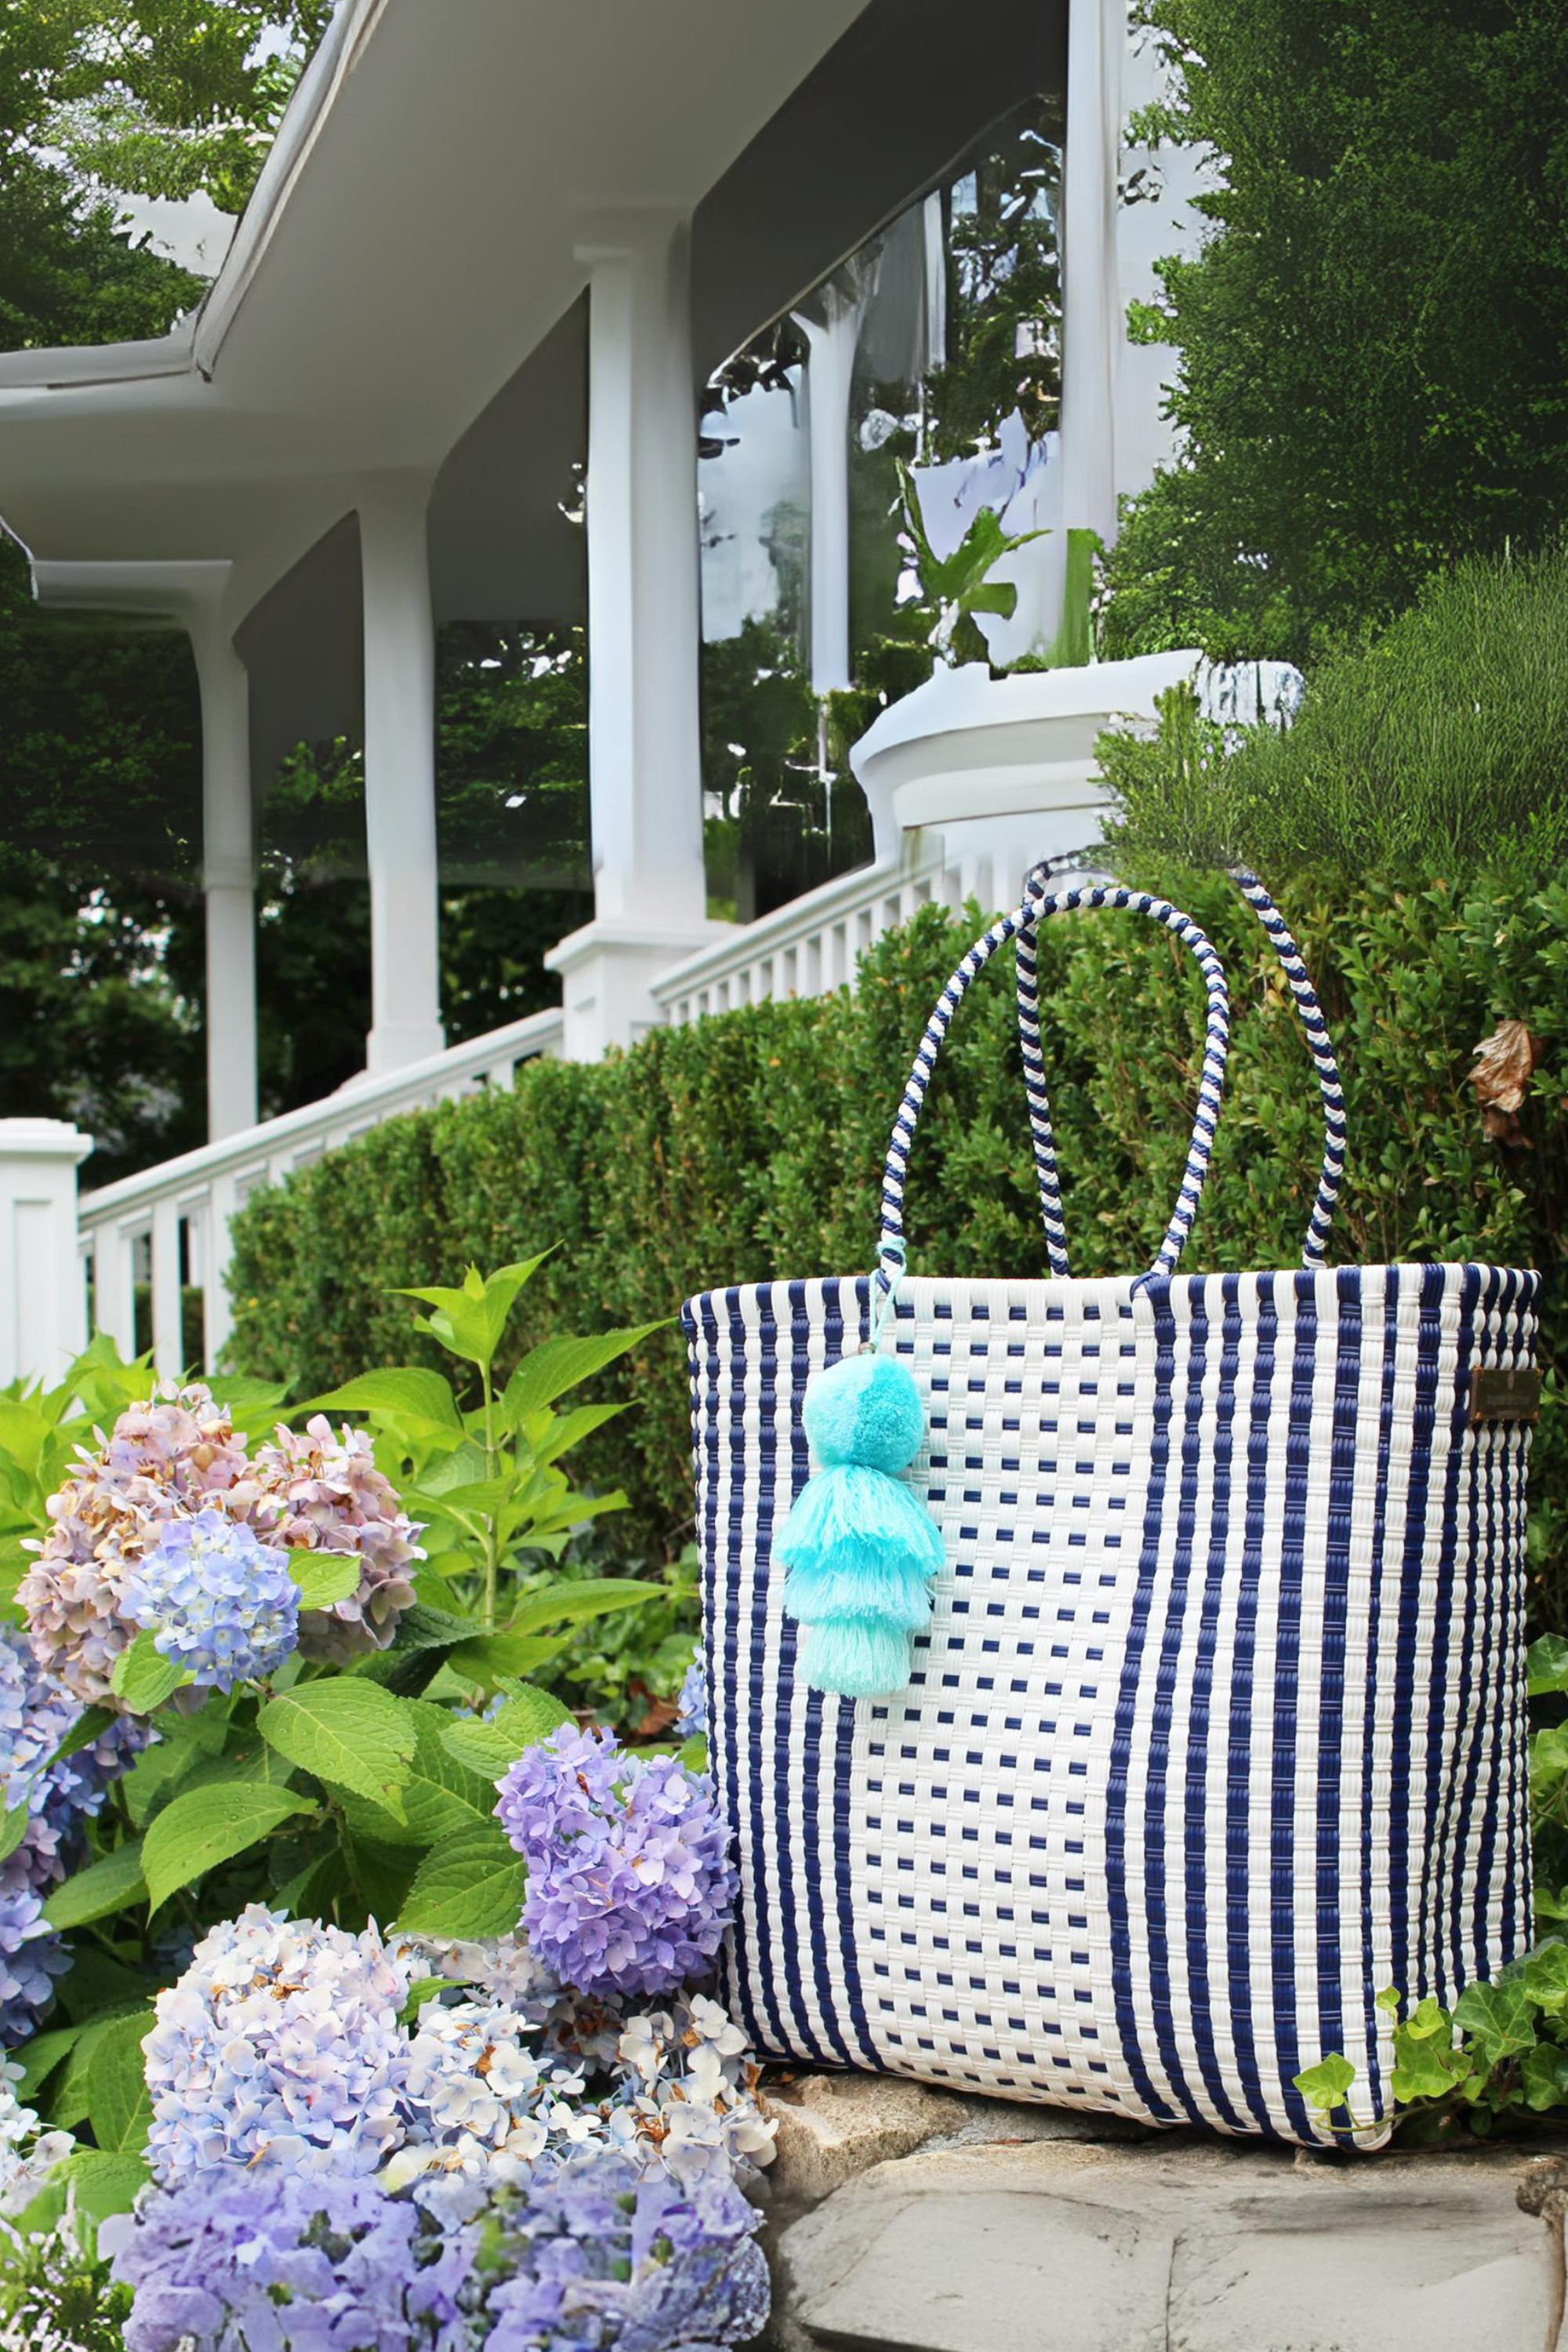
{"points": [[1059, 2245]]}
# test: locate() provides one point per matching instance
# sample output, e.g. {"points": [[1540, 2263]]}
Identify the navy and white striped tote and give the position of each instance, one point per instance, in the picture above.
{"points": [[1218, 1729]]}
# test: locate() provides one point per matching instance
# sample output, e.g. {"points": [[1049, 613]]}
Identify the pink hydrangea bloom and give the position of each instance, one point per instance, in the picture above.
{"points": [[311, 1491], [163, 1460]]}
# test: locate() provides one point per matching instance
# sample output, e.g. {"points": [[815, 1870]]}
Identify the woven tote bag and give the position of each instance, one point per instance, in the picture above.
{"points": [[1218, 1726]]}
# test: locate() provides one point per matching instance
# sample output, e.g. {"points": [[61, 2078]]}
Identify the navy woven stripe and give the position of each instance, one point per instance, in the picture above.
{"points": [[1217, 1439], [855, 1308], [1433, 1958], [1289, 1891], [1158, 1296], [1332, 1677], [1510, 1788], [1406, 1923], [1238, 1844], [1374, 1861], [1478, 1713], [780, 1478], [751, 1651]]}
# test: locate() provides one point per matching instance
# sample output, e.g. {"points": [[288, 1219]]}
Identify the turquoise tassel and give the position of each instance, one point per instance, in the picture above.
{"points": [[860, 1546]]}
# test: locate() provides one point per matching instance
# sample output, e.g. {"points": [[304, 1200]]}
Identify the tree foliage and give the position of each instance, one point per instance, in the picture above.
{"points": [[1374, 341]]}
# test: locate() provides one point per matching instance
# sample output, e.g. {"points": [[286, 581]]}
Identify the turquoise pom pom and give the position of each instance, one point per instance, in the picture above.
{"points": [[860, 1547], [865, 1409]]}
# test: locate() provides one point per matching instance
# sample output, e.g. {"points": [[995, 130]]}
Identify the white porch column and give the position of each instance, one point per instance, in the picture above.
{"points": [[228, 877], [1092, 326], [43, 1288], [830, 382], [643, 739], [400, 775]]}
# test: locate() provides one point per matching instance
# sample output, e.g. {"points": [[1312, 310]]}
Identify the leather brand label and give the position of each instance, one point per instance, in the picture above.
{"points": [[1499, 1394]]}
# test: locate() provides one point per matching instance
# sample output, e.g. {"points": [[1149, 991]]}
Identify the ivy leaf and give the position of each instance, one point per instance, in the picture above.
{"points": [[1545, 1976], [111, 1884], [469, 1885], [203, 1827], [1499, 2019], [1543, 2077], [1326, 2085], [323, 1578], [1546, 1663], [118, 2106], [349, 1732], [143, 1677]]}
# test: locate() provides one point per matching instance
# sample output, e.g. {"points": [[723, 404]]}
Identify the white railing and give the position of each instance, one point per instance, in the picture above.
{"points": [[169, 1227], [813, 945]]}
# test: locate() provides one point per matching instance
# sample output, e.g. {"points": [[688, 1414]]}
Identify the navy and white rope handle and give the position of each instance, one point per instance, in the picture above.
{"points": [[1314, 1028], [1211, 1083]]}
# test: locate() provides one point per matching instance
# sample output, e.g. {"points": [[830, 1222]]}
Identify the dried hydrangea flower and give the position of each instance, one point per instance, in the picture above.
{"points": [[281, 2044], [163, 1460], [315, 1492], [214, 1600], [630, 1885]]}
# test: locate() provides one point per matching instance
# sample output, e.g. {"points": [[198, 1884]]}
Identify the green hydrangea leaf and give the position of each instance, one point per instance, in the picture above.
{"points": [[203, 1827], [111, 1884], [118, 2106], [324, 1577], [471, 1885], [143, 1677], [106, 2181], [349, 1732]]}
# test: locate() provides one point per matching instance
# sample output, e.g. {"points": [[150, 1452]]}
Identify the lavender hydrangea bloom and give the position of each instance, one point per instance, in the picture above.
{"points": [[614, 2262], [629, 1883], [217, 1602], [691, 1723], [163, 1460], [241, 2261], [279, 2045]]}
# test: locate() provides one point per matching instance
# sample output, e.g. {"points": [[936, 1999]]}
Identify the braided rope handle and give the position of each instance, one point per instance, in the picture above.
{"points": [[1014, 926], [1314, 1028]]}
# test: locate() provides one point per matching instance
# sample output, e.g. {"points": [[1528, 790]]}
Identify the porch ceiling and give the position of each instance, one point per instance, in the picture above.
{"points": [[412, 243]]}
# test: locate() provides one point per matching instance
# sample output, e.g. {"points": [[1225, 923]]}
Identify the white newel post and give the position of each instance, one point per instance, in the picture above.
{"points": [[228, 877], [43, 1286], [400, 776], [1092, 326], [643, 737]]}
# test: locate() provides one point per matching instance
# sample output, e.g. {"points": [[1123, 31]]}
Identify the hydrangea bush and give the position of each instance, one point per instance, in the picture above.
{"points": [[360, 1989]]}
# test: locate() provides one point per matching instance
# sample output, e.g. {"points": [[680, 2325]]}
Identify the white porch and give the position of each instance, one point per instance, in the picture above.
{"points": [[455, 197]]}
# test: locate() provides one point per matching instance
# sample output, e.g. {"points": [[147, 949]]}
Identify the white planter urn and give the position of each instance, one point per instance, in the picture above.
{"points": [[1004, 767]]}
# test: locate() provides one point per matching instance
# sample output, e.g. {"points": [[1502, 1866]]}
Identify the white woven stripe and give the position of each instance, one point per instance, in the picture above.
{"points": [[951, 1879]]}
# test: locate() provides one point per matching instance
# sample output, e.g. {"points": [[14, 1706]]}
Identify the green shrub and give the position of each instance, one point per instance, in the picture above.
{"points": [[1441, 746], [750, 1145]]}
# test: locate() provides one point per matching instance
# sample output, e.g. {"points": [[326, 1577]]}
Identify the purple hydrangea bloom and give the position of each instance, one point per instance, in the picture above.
{"points": [[217, 1602], [36, 1715], [691, 1723], [614, 2262], [269, 2261], [631, 1887]]}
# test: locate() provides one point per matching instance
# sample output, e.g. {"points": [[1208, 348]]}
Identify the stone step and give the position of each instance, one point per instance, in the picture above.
{"points": [[904, 2219]]}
